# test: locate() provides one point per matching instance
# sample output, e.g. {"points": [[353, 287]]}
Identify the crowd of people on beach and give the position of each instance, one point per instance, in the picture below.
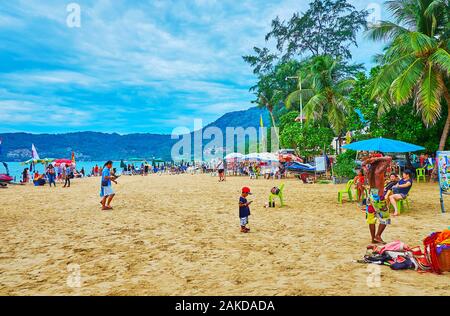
{"points": [[52, 175]]}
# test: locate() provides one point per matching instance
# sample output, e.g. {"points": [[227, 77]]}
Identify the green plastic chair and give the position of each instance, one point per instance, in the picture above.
{"points": [[279, 195], [348, 191], [401, 205], [420, 175]]}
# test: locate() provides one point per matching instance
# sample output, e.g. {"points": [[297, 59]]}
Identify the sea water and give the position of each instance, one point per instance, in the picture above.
{"points": [[16, 168]]}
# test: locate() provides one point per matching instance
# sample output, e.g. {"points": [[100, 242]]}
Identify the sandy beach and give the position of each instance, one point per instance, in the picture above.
{"points": [[179, 235]]}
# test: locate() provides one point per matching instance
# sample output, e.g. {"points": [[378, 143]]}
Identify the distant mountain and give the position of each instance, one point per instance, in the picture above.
{"points": [[102, 146]]}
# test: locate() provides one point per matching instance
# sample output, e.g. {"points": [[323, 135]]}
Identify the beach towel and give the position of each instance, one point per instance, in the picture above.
{"points": [[443, 237], [394, 246]]}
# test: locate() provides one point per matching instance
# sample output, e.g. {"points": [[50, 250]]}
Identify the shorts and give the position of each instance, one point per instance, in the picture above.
{"points": [[106, 191], [382, 217], [221, 170], [244, 221]]}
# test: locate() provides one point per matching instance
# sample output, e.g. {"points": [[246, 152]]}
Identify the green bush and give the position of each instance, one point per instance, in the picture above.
{"points": [[345, 165]]}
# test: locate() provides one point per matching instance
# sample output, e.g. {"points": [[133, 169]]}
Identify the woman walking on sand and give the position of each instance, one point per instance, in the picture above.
{"points": [[221, 170], [51, 175], [106, 191]]}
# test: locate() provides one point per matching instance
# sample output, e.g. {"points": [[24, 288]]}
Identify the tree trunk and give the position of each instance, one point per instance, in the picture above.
{"points": [[443, 141], [447, 122]]}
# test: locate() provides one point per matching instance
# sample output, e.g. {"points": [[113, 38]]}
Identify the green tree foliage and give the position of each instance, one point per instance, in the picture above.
{"points": [[309, 140], [328, 27], [326, 94], [272, 88], [345, 165], [401, 123], [416, 63]]}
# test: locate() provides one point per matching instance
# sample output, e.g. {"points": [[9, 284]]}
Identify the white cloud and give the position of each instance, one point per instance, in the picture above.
{"points": [[175, 56]]}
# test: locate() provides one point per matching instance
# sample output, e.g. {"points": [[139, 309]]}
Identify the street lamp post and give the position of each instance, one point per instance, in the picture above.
{"points": [[299, 78]]}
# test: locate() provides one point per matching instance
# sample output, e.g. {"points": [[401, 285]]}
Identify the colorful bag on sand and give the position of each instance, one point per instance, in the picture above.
{"points": [[430, 252]]}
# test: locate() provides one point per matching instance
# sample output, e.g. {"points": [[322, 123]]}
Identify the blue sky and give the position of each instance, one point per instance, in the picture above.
{"points": [[133, 66]]}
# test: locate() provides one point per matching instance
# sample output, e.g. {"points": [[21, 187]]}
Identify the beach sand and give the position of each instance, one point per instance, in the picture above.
{"points": [[179, 235]]}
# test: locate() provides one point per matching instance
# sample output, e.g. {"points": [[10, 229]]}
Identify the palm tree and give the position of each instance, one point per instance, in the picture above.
{"points": [[269, 99], [416, 62], [328, 85]]}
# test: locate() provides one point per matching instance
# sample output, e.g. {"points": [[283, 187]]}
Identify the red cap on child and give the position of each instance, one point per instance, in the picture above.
{"points": [[246, 190]]}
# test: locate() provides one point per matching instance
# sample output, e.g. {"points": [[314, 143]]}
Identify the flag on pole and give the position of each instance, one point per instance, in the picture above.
{"points": [[73, 157], [34, 152], [261, 122]]}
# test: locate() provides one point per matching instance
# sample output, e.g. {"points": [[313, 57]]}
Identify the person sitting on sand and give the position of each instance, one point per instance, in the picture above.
{"points": [[359, 181], [401, 190], [244, 209], [106, 191], [38, 179]]}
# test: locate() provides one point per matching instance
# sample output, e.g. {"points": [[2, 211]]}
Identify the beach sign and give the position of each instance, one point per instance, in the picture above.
{"points": [[321, 164], [443, 158]]}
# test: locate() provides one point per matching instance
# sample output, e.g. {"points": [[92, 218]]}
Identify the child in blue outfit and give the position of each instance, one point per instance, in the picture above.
{"points": [[244, 209]]}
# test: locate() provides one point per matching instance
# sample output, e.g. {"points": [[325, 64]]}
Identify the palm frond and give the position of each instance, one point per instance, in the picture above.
{"points": [[441, 58], [385, 31], [404, 11], [294, 97], [336, 113], [315, 106], [402, 87], [429, 96]]}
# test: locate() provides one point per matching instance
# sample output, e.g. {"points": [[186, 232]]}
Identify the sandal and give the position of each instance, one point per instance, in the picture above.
{"points": [[380, 241]]}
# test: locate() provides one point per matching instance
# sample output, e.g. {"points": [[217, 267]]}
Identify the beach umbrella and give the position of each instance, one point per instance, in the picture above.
{"points": [[60, 162], [269, 157], [385, 145], [253, 156], [65, 161], [234, 156]]}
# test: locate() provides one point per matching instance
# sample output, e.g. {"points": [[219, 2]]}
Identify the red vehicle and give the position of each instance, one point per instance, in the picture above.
{"points": [[5, 178]]}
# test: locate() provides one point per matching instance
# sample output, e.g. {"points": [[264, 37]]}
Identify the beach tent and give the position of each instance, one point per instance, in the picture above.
{"points": [[385, 145]]}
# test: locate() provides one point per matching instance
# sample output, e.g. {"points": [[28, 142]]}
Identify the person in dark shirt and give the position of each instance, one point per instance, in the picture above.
{"points": [[393, 180], [244, 209], [401, 190]]}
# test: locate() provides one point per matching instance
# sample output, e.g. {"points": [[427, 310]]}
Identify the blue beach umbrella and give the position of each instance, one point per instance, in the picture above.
{"points": [[385, 145]]}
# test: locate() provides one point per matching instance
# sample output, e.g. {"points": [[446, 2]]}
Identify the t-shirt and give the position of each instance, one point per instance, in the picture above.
{"points": [[106, 173], [359, 180], [404, 191], [244, 211], [220, 165], [389, 185]]}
